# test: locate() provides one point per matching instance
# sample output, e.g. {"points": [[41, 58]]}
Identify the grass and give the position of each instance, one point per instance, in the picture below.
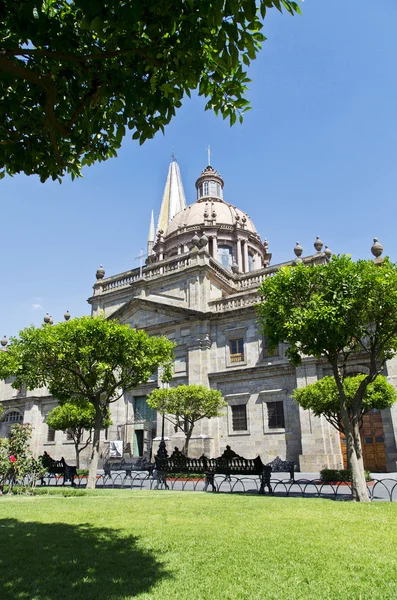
{"points": [[119, 545]]}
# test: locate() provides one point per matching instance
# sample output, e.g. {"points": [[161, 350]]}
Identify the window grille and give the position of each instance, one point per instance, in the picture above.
{"points": [[239, 417], [275, 414], [13, 417]]}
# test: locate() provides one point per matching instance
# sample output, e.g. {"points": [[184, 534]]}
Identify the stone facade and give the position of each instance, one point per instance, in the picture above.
{"points": [[199, 287]]}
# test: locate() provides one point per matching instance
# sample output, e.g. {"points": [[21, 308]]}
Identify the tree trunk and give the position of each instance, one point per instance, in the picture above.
{"points": [[187, 440], [354, 454], [355, 460], [76, 447], [91, 482]]}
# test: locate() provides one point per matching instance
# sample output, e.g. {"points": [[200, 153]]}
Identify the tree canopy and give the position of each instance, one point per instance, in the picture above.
{"points": [[322, 397], [75, 418], [76, 74], [337, 311], [185, 405], [86, 359]]}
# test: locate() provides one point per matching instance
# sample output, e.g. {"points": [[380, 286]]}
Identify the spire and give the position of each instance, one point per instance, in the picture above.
{"points": [[174, 200], [150, 239]]}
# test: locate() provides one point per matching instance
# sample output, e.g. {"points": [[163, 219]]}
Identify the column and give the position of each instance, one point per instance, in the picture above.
{"points": [[215, 247], [245, 250], [320, 441], [239, 256]]}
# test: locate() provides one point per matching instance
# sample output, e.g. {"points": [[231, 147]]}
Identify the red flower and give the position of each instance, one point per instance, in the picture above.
{"points": [[12, 458]]}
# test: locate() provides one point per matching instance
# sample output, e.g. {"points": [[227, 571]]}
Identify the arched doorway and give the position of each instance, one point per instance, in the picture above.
{"points": [[9, 419], [372, 441]]}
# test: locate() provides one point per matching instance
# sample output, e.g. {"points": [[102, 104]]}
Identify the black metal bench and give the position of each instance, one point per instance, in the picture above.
{"points": [[282, 466], [228, 464], [128, 465], [58, 467]]}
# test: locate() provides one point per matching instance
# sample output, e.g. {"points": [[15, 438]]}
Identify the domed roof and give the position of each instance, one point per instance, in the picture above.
{"points": [[225, 214]]}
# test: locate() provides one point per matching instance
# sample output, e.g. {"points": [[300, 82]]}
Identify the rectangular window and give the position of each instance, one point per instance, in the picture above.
{"points": [[51, 435], [239, 417], [236, 350], [267, 353], [69, 436], [275, 415]]}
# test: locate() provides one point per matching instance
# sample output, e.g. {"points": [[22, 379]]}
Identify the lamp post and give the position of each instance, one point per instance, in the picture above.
{"points": [[162, 451]]}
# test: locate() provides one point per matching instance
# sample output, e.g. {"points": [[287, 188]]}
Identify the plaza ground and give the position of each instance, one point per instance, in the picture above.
{"points": [[120, 544]]}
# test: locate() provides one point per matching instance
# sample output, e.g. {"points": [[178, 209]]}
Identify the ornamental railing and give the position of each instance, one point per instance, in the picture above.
{"points": [[380, 490]]}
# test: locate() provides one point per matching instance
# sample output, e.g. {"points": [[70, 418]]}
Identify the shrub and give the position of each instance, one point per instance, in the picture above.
{"points": [[339, 475], [82, 472], [17, 464]]}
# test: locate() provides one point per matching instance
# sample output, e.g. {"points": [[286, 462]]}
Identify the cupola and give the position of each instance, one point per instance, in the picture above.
{"points": [[209, 185]]}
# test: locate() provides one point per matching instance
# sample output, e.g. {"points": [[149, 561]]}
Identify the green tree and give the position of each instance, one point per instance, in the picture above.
{"points": [[75, 418], [322, 398], [335, 311], [86, 359], [76, 73], [185, 405]]}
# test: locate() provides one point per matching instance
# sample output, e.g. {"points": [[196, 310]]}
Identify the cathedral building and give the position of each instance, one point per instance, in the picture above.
{"points": [[199, 287]]}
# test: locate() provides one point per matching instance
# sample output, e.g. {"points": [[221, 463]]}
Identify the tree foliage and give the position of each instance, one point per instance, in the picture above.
{"points": [[185, 405], [76, 418], [322, 397], [16, 459], [336, 311], [76, 74], [86, 359]]}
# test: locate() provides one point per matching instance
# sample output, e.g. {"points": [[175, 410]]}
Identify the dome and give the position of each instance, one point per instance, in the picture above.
{"points": [[212, 212]]}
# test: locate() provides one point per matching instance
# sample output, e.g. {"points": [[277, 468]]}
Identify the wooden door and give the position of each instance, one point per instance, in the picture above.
{"points": [[373, 443]]}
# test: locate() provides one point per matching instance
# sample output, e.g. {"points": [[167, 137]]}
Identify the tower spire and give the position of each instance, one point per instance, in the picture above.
{"points": [[150, 240], [174, 200]]}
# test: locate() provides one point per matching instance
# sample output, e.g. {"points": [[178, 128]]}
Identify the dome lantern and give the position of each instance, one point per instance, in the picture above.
{"points": [[209, 185]]}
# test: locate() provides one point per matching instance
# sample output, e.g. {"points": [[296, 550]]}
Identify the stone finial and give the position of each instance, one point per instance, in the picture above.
{"points": [[195, 239], [376, 248], [47, 319], [328, 252], [51, 321], [298, 250], [4, 341], [100, 274], [66, 316], [203, 240], [235, 268], [318, 244]]}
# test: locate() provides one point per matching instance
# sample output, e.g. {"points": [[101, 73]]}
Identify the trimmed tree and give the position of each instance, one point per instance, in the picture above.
{"points": [[87, 359], [322, 398], [185, 405], [335, 311], [75, 74], [75, 418]]}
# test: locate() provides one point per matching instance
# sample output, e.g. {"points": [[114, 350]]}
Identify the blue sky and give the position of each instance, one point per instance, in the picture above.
{"points": [[317, 155]]}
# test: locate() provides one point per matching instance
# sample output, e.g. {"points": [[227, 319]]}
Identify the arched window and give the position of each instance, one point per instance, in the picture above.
{"points": [[225, 257], [13, 417]]}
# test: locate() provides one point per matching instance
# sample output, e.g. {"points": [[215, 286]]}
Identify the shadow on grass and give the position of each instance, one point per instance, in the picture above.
{"points": [[56, 561]]}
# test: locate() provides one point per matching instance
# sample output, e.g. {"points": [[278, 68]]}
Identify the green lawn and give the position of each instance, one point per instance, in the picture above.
{"points": [[117, 545]]}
